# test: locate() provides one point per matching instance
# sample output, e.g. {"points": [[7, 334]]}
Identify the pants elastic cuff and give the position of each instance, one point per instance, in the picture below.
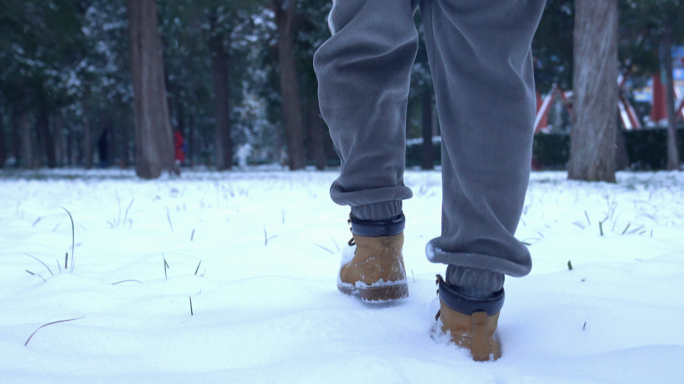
{"points": [[377, 211], [478, 283]]}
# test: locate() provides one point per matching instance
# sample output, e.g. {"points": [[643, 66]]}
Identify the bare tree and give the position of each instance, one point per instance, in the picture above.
{"points": [[285, 11], [592, 154], [154, 138]]}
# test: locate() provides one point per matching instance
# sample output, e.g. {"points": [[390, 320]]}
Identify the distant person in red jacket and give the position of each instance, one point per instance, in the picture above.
{"points": [[179, 144]]}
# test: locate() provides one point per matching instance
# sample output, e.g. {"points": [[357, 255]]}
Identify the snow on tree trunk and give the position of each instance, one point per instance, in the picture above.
{"points": [[219, 68], [154, 140], [592, 154], [672, 151], [289, 86]]}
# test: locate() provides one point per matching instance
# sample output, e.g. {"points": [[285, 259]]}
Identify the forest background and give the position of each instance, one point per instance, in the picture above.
{"points": [[79, 79]]}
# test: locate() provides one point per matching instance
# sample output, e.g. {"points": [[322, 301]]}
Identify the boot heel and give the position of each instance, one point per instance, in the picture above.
{"points": [[384, 293]]}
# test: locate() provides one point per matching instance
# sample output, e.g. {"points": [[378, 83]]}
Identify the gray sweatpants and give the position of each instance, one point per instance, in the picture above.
{"points": [[481, 63]]}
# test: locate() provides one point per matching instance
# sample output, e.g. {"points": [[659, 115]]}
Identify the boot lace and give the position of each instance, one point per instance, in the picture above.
{"points": [[351, 241]]}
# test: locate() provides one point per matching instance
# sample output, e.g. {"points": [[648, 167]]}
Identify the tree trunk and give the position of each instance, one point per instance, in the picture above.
{"points": [[180, 114], [409, 116], [78, 150], [87, 145], [219, 67], [191, 140], [154, 139], [289, 84], [428, 160], [70, 146], [592, 153], [106, 138], [3, 145], [435, 123], [108, 124], [316, 136], [48, 142], [59, 139], [26, 145], [123, 162], [16, 133], [180, 120], [672, 150], [39, 154]]}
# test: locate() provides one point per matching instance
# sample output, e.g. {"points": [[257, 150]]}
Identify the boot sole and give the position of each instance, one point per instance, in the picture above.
{"points": [[377, 294]]}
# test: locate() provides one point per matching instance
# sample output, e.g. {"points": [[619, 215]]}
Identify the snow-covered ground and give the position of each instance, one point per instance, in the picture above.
{"points": [[269, 311]]}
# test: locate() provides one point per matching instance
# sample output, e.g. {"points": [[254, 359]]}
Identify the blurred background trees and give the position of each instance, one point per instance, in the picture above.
{"points": [[653, 29], [234, 78]]}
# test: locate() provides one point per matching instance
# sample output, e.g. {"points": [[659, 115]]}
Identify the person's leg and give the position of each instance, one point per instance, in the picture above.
{"points": [[364, 76], [481, 61]]}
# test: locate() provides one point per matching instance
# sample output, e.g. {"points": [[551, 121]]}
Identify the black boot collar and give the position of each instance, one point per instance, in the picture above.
{"points": [[467, 305], [368, 228]]}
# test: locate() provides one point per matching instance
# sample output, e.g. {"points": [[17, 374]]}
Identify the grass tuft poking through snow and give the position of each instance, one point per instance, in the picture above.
{"points": [[266, 238], [36, 274], [45, 325], [73, 239], [324, 248], [166, 266], [40, 261], [168, 216]]}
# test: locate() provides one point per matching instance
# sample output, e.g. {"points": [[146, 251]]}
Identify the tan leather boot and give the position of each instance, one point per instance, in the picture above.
{"points": [[373, 268], [473, 325]]}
